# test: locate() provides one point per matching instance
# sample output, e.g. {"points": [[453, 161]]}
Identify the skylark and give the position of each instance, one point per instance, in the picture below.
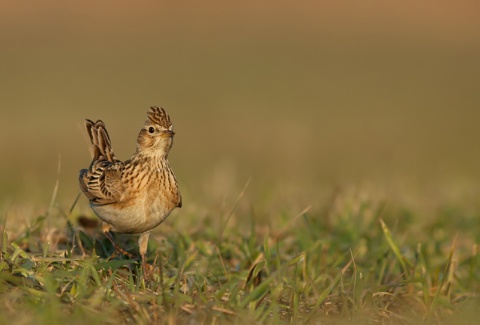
{"points": [[136, 195]]}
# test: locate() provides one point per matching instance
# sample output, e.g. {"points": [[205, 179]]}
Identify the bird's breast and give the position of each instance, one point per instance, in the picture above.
{"points": [[140, 215]]}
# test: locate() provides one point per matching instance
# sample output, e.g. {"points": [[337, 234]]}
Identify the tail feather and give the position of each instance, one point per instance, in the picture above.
{"points": [[99, 182], [102, 146]]}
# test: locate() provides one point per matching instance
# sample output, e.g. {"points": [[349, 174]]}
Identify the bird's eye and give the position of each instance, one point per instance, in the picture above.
{"points": [[151, 129]]}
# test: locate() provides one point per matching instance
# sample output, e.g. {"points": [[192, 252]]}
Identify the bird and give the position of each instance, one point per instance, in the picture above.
{"points": [[136, 195]]}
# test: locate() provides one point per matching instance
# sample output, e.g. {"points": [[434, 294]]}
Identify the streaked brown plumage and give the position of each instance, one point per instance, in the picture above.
{"points": [[134, 196]]}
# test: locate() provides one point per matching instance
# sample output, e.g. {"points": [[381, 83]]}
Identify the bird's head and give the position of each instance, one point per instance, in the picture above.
{"points": [[157, 132]]}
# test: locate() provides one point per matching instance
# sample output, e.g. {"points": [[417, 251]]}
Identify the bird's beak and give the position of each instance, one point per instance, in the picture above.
{"points": [[168, 134]]}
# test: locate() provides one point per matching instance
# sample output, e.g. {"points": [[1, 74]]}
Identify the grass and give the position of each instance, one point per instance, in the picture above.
{"points": [[356, 259]]}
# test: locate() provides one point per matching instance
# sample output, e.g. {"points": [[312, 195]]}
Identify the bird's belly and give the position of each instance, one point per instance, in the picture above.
{"points": [[135, 218]]}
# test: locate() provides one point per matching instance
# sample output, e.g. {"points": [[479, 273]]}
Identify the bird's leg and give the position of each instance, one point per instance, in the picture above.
{"points": [[106, 231], [143, 245]]}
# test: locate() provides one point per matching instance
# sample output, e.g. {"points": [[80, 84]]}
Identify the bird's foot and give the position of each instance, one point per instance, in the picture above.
{"points": [[147, 269], [117, 248]]}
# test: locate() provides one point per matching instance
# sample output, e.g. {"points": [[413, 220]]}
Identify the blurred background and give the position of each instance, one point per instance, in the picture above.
{"points": [[300, 97]]}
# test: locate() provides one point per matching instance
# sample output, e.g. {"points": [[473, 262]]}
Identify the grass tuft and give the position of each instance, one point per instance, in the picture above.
{"points": [[342, 263]]}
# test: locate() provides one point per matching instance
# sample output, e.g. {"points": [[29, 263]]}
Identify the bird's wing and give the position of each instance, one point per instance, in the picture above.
{"points": [[102, 183]]}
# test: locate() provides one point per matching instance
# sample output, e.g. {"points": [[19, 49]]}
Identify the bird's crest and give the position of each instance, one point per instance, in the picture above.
{"points": [[157, 115]]}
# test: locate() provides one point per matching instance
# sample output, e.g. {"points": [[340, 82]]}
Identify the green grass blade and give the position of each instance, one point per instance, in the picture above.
{"points": [[394, 247]]}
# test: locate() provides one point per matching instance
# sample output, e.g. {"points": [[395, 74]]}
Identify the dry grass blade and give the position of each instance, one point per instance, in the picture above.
{"points": [[291, 222], [444, 282], [223, 310], [254, 273], [55, 189], [234, 206]]}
